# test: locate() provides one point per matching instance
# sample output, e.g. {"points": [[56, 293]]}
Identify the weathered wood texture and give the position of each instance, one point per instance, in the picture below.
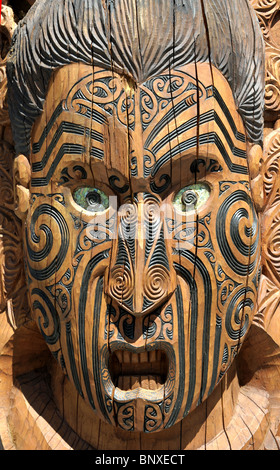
{"points": [[134, 303]]}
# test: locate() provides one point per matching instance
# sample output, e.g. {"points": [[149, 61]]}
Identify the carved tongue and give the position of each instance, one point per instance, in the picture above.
{"points": [[130, 370]]}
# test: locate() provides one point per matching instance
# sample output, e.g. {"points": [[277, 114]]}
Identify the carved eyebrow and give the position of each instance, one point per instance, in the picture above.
{"points": [[186, 126], [68, 128], [238, 135], [210, 165], [36, 147], [65, 149], [159, 137], [207, 138], [204, 118], [88, 112]]}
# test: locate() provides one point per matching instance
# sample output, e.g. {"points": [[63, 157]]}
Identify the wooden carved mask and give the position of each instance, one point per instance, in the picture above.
{"points": [[142, 239], [138, 181]]}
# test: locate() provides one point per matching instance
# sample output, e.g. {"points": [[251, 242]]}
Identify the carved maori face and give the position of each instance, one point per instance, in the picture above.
{"points": [[142, 240]]}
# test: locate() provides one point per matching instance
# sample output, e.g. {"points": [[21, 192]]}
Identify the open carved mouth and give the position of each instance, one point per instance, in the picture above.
{"points": [[131, 370]]}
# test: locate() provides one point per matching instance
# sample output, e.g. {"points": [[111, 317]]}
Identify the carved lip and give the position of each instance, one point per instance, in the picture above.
{"points": [[131, 372]]}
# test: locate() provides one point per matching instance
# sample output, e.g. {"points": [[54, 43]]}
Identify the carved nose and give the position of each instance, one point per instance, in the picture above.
{"points": [[141, 276]]}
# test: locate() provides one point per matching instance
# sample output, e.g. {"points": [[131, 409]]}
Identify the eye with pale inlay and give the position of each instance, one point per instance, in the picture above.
{"points": [[192, 197], [91, 199]]}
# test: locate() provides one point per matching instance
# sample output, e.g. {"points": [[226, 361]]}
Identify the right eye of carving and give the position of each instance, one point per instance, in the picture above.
{"points": [[91, 199], [192, 197]]}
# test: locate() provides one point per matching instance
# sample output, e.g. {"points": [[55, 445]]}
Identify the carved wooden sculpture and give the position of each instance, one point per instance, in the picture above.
{"points": [[150, 221]]}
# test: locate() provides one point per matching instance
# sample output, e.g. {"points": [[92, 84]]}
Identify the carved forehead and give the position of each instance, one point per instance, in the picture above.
{"points": [[155, 36], [100, 116]]}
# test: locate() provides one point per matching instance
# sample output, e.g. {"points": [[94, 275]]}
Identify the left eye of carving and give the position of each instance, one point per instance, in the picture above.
{"points": [[91, 199], [191, 197]]}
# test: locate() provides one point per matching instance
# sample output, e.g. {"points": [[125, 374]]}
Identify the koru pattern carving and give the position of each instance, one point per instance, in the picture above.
{"points": [[141, 224], [167, 274]]}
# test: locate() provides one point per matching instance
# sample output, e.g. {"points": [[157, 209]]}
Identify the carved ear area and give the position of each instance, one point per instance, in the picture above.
{"points": [[22, 176], [255, 162]]}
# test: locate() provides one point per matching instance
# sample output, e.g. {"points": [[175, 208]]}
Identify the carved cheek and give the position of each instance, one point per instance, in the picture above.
{"points": [[61, 250], [237, 267], [218, 273], [47, 238]]}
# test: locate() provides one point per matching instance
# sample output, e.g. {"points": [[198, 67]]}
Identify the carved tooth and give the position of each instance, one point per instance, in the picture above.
{"points": [[144, 357], [150, 382], [119, 355], [135, 382], [126, 383], [153, 382], [126, 357], [120, 382], [152, 356], [134, 358], [144, 381], [158, 355]]}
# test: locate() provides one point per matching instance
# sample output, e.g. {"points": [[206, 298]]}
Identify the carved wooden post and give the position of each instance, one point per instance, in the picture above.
{"points": [[144, 205]]}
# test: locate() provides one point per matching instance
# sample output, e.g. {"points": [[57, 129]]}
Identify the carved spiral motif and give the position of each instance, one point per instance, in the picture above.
{"points": [[126, 417], [272, 95], [108, 94], [238, 314], [125, 324], [189, 198], [42, 235], [156, 282], [47, 317], [239, 244], [128, 216], [271, 174], [121, 284], [149, 106], [153, 418], [151, 210], [266, 11], [151, 218]]}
